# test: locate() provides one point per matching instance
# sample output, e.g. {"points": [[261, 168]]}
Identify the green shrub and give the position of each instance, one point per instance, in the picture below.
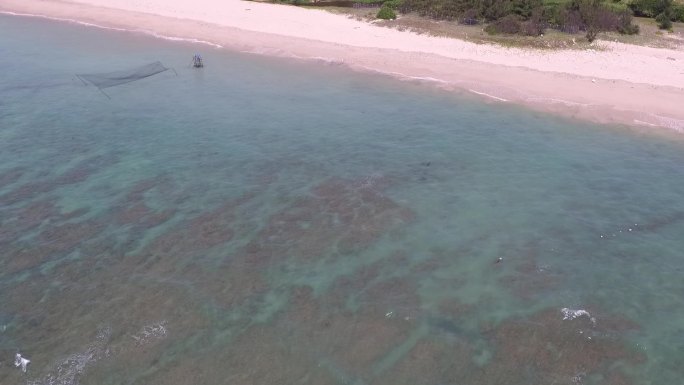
{"points": [[664, 21], [591, 33], [438, 9], [394, 4], [386, 13], [536, 24], [495, 9], [532, 17], [524, 8], [470, 17], [508, 24], [569, 21], [625, 25], [616, 6], [678, 12], [650, 8]]}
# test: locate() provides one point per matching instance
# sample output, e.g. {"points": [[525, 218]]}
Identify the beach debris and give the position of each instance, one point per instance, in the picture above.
{"points": [[22, 362], [571, 314], [671, 58], [593, 80]]}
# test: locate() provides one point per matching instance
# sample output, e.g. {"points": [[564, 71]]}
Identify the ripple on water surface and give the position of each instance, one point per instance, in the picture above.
{"points": [[274, 222]]}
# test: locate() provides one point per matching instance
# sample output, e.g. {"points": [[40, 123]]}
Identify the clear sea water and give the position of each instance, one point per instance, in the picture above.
{"points": [[270, 221]]}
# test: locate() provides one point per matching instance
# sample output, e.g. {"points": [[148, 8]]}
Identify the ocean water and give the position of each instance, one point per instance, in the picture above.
{"points": [[272, 221]]}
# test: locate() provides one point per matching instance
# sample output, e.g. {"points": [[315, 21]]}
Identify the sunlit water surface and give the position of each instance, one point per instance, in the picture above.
{"points": [[268, 221]]}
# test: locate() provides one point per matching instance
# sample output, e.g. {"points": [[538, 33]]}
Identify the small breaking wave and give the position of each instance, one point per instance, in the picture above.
{"points": [[405, 76], [571, 314], [175, 38], [70, 369], [150, 333], [488, 95], [557, 101], [641, 122], [671, 123], [277, 52]]}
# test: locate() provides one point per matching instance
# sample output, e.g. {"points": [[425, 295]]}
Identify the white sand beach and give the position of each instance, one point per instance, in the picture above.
{"points": [[615, 83]]}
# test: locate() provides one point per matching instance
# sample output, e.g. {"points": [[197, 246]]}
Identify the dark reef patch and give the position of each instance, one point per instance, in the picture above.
{"points": [[77, 174], [10, 176], [545, 348], [341, 215]]}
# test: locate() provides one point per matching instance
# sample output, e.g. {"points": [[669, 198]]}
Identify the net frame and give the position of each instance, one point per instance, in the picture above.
{"points": [[115, 78]]}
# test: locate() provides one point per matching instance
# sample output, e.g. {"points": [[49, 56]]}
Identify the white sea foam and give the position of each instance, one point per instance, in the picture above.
{"points": [[175, 38], [149, 333], [671, 123], [370, 181], [22, 362], [402, 76], [637, 121], [571, 314], [557, 101], [488, 95], [69, 370]]}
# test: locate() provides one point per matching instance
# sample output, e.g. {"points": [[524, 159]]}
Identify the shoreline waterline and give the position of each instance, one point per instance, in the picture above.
{"points": [[640, 105]]}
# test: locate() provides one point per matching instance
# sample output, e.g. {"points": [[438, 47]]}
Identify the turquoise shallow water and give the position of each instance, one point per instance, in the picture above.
{"points": [[267, 221]]}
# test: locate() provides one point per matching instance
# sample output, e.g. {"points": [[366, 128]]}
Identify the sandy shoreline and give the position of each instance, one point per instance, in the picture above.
{"points": [[619, 84]]}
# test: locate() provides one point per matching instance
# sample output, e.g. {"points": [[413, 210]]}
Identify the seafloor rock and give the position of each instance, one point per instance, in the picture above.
{"points": [[234, 283], [51, 243], [257, 357], [529, 278], [141, 215], [342, 214], [19, 221], [133, 210], [137, 192], [430, 362], [352, 340], [308, 230], [81, 171], [77, 174], [144, 316], [27, 191], [545, 349], [196, 235], [180, 279], [10, 176], [69, 369]]}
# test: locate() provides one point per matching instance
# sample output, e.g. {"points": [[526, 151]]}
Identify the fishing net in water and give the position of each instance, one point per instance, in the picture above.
{"points": [[111, 79]]}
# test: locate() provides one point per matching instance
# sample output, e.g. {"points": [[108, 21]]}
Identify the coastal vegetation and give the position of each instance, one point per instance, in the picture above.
{"points": [[531, 18], [386, 12]]}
